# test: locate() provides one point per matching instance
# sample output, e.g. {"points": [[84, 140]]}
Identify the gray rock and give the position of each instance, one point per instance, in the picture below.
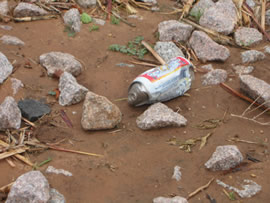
{"points": [[267, 17], [51, 169], [30, 187], [252, 56], [159, 115], [177, 173], [208, 67], [32, 109], [6, 27], [10, 40], [214, 77], [72, 19], [10, 114], [4, 7], [206, 49], [87, 3], [99, 113], [27, 9], [254, 88], [70, 91], [16, 85], [243, 70], [245, 36], [173, 30], [176, 199], [251, 4], [53, 61], [222, 17], [168, 50], [267, 49], [251, 188], [6, 68], [198, 9], [224, 158], [56, 197], [99, 21]]}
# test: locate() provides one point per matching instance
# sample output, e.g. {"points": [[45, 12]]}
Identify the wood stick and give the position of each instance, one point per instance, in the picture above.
{"points": [[18, 156], [143, 63], [74, 151], [225, 40], [12, 152], [34, 18], [246, 7], [29, 122], [6, 188], [263, 14], [200, 189], [155, 54], [10, 162], [234, 92], [66, 119]]}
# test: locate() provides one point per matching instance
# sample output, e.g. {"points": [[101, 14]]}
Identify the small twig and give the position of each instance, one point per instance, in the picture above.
{"points": [[29, 122], [155, 54], [74, 151], [250, 119], [65, 118], [33, 18], [6, 188], [123, 20], [243, 141], [200, 189], [143, 63], [263, 14]]}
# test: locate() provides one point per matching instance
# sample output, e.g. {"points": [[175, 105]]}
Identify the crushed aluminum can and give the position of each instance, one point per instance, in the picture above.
{"points": [[162, 83]]}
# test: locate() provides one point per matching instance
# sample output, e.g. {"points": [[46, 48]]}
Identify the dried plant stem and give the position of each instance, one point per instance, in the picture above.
{"points": [[200, 189]]}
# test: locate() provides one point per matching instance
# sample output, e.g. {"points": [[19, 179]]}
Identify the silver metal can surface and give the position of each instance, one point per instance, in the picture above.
{"points": [[162, 83]]}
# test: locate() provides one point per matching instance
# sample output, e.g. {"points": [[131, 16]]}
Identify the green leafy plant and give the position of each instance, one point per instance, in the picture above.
{"points": [[232, 196], [85, 18], [93, 28], [114, 20], [134, 48]]}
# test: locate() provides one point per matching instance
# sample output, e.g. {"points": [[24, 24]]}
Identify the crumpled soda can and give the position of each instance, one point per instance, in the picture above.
{"points": [[162, 83]]}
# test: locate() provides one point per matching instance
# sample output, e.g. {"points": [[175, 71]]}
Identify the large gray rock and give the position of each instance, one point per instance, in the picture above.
{"points": [[252, 56], [198, 9], [10, 40], [70, 91], [10, 114], [267, 17], [245, 36], [87, 3], [224, 158], [176, 199], [56, 197], [27, 9], [206, 49], [99, 113], [173, 30], [168, 50], [243, 70], [6, 68], [222, 17], [31, 187], [159, 115], [72, 19], [33, 109], [4, 7], [254, 88], [54, 61], [214, 77], [208, 67]]}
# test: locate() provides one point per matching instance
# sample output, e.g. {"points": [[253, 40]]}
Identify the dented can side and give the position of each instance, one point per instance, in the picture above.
{"points": [[161, 83]]}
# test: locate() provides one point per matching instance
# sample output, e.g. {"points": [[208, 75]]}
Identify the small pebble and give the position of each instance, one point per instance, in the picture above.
{"points": [[261, 131]]}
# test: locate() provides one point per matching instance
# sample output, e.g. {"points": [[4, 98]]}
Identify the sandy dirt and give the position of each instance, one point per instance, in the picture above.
{"points": [[138, 165]]}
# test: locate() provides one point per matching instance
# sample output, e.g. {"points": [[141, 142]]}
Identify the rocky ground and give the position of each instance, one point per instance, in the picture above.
{"points": [[72, 89]]}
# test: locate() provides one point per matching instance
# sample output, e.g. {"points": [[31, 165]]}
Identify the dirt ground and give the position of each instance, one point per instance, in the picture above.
{"points": [[138, 165]]}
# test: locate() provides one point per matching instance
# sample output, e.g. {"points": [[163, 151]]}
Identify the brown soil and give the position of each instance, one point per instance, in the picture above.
{"points": [[138, 165]]}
